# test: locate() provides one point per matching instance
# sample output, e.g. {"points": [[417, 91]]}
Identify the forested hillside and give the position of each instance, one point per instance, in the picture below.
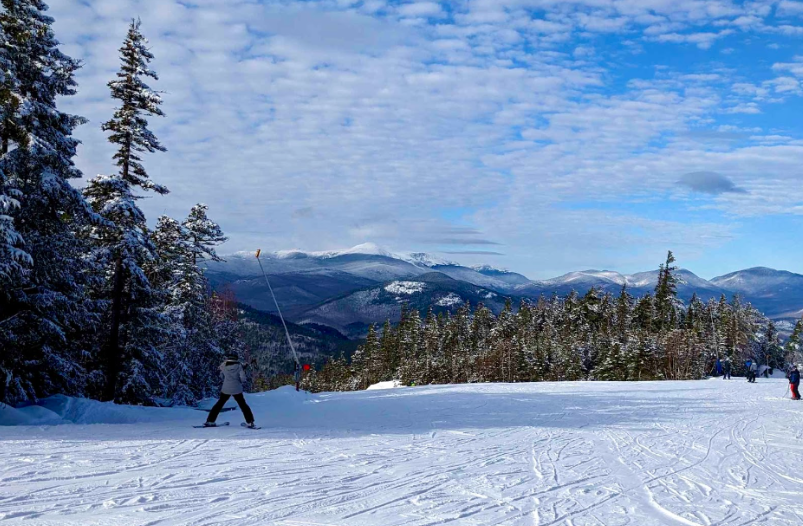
{"points": [[267, 353], [598, 336]]}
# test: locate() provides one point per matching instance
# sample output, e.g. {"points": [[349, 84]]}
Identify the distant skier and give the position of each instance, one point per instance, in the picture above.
{"points": [[726, 369], [233, 378], [752, 367], [794, 382], [297, 377], [718, 367]]}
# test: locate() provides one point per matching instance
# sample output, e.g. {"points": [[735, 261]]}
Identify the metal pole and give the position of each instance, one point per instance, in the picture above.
{"points": [[286, 332]]}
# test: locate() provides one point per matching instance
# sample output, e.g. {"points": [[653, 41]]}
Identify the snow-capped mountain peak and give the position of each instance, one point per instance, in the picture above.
{"points": [[583, 276], [368, 249], [426, 260], [420, 259]]}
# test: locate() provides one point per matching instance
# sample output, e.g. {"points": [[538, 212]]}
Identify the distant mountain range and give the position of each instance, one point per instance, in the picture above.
{"points": [[350, 289]]}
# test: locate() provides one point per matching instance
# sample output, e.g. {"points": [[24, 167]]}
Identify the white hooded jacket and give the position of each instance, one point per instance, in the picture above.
{"points": [[233, 377]]}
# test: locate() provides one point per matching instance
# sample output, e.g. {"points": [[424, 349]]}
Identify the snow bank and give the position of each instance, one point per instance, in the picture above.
{"points": [[392, 384], [62, 409], [86, 411], [33, 415]]}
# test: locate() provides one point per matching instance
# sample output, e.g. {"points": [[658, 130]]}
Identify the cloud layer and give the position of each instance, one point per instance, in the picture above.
{"points": [[322, 124]]}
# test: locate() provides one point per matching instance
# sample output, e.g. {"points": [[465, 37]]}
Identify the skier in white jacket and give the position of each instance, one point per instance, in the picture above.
{"points": [[233, 378]]}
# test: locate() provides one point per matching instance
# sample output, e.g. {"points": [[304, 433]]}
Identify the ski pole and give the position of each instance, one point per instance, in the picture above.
{"points": [[286, 332]]}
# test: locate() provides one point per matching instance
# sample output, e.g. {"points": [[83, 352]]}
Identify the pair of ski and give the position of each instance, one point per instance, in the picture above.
{"points": [[223, 424]]}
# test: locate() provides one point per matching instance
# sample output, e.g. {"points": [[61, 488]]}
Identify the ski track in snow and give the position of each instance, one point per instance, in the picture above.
{"points": [[707, 453]]}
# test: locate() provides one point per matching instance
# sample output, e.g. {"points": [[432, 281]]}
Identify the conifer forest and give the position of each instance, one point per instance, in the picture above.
{"points": [[591, 337]]}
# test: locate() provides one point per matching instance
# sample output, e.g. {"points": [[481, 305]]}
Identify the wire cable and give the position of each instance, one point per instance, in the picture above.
{"points": [[279, 310]]}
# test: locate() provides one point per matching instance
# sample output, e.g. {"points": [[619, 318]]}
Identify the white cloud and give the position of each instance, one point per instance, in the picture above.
{"points": [[795, 68], [789, 8], [747, 108], [784, 85], [425, 9], [371, 127], [702, 40]]}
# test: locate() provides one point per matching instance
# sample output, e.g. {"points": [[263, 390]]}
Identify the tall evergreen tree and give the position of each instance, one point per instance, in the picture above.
{"points": [[794, 344], [124, 248], [771, 351], [204, 234], [44, 318], [193, 354], [666, 294]]}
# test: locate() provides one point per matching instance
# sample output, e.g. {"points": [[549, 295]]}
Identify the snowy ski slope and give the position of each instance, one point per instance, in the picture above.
{"points": [[574, 454]]}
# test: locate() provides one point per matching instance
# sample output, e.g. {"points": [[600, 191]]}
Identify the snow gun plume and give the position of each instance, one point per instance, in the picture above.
{"points": [[278, 310]]}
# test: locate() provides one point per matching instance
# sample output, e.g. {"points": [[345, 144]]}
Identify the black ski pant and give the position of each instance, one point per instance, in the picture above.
{"points": [[249, 416], [795, 392], [726, 375]]}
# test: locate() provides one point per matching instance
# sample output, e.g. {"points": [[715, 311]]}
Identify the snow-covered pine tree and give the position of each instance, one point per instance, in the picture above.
{"points": [[409, 347], [373, 358], [544, 339], [431, 346], [502, 346], [666, 294], [204, 234], [13, 259], [482, 324], [171, 273], [125, 248], [45, 322], [389, 352], [523, 353], [772, 354], [463, 361], [793, 347], [193, 355]]}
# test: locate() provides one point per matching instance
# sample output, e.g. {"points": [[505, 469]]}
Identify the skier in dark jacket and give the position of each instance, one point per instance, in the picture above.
{"points": [[718, 367], [726, 369], [794, 382], [297, 377], [233, 378]]}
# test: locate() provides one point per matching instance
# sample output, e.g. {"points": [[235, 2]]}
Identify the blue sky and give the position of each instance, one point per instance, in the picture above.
{"points": [[539, 135]]}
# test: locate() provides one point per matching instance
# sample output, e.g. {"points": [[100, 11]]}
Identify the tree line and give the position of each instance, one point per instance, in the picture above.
{"points": [[591, 337], [93, 302]]}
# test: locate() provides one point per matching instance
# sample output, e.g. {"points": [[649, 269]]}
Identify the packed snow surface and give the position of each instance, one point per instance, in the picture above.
{"points": [[666, 453]]}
